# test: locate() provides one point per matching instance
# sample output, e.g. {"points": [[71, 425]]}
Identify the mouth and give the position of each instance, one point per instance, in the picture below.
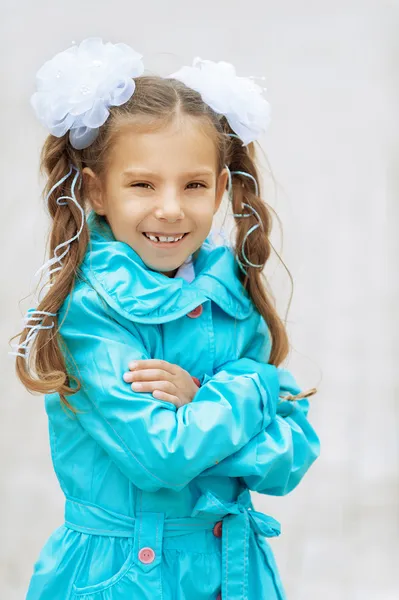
{"points": [[155, 241]]}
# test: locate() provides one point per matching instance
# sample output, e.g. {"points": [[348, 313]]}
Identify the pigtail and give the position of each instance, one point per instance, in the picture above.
{"points": [[44, 357], [256, 248]]}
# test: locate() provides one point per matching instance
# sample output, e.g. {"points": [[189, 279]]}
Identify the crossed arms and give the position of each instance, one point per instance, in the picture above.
{"points": [[234, 426]]}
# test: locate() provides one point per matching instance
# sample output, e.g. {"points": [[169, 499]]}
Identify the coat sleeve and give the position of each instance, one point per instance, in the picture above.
{"points": [[152, 442], [275, 460]]}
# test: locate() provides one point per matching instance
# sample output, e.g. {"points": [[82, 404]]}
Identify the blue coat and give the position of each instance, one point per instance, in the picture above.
{"points": [[157, 500]]}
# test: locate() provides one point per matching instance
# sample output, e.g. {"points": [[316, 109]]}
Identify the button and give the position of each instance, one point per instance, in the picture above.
{"points": [[193, 314], [219, 597], [217, 530], [146, 555], [196, 381]]}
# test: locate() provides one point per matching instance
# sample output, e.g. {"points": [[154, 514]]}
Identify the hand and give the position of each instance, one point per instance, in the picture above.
{"points": [[165, 380]]}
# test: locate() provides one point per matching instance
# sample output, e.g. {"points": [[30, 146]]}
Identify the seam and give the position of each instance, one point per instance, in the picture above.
{"points": [[96, 529], [160, 558], [140, 523], [53, 440], [227, 561], [244, 590], [211, 337]]}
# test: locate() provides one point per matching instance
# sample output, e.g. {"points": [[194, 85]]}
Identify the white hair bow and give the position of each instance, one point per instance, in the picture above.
{"points": [[239, 99], [76, 87]]}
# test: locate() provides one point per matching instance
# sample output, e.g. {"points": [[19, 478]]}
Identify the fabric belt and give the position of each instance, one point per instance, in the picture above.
{"points": [[237, 519]]}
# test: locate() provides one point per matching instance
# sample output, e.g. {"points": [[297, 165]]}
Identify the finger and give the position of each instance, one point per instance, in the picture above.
{"points": [[151, 386], [150, 375], [166, 397], [146, 375], [151, 363]]}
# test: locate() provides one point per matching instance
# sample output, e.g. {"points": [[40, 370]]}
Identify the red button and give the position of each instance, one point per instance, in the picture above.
{"points": [[193, 314], [146, 555], [196, 381], [217, 530]]}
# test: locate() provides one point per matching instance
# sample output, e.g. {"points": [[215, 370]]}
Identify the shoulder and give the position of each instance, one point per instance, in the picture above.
{"points": [[90, 329], [81, 299], [84, 307]]}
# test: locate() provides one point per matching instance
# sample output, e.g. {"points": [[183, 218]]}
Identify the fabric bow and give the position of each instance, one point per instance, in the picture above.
{"points": [[238, 518]]}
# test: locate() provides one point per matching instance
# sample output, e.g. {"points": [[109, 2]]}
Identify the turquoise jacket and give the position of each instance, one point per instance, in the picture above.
{"points": [[157, 498]]}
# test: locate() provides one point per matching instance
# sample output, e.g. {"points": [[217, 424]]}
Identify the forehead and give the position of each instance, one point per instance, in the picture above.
{"points": [[176, 148]]}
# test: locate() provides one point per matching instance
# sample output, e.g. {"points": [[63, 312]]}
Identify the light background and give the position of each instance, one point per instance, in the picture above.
{"points": [[331, 70]]}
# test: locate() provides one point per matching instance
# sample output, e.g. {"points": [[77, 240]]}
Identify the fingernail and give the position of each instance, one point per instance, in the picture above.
{"points": [[126, 376], [132, 365], [136, 385]]}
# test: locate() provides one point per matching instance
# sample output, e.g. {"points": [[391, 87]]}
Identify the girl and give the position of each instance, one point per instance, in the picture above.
{"points": [[160, 364]]}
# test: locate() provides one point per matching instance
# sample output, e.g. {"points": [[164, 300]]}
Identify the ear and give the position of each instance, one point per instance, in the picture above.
{"points": [[220, 188], [92, 186]]}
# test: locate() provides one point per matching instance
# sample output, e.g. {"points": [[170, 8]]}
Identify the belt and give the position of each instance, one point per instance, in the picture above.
{"points": [[238, 517]]}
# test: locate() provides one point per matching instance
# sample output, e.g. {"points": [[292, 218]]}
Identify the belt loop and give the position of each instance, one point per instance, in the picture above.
{"points": [[148, 538]]}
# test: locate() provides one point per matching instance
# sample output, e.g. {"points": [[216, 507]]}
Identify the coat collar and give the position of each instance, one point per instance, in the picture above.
{"points": [[140, 294]]}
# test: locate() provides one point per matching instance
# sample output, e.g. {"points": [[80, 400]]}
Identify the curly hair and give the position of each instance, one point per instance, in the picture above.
{"points": [[156, 102]]}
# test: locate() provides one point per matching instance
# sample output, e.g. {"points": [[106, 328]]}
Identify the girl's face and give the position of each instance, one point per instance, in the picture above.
{"points": [[161, 183]]}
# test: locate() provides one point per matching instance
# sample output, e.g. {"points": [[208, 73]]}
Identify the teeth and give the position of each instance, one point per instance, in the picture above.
{"points": [[163, 238]]}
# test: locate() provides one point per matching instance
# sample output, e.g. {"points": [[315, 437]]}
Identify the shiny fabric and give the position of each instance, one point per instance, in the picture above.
{"points": [[157, 499]]}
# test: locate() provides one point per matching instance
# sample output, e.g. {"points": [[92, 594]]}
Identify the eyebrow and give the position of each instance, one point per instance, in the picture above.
{"points": [[136, 172]]}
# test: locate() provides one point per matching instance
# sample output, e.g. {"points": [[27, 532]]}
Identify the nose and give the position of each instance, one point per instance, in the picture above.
{"points": [[169, 207]]}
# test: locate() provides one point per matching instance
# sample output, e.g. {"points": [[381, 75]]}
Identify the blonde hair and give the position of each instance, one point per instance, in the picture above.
{"points": [[155, 103]]}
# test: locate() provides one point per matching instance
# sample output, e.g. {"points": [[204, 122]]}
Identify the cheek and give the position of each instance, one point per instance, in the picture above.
{"points": [[131, 212]]}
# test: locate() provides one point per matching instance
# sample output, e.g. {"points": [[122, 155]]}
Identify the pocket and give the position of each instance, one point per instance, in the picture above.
{"points": [[106, 561]]}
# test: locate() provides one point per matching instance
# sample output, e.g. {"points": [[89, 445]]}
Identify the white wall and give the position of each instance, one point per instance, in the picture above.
{"points": [[331, 70]]}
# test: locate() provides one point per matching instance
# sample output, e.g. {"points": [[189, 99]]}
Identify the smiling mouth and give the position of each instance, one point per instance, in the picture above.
{"points": [[156, 242]]}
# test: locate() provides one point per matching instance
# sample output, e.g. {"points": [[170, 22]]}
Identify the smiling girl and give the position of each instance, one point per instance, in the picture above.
{"points": [[158, 352]]}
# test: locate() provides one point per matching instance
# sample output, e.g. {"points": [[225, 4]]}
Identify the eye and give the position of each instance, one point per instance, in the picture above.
{"points": [[193, 183], [137, 184], [197, 183]]}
